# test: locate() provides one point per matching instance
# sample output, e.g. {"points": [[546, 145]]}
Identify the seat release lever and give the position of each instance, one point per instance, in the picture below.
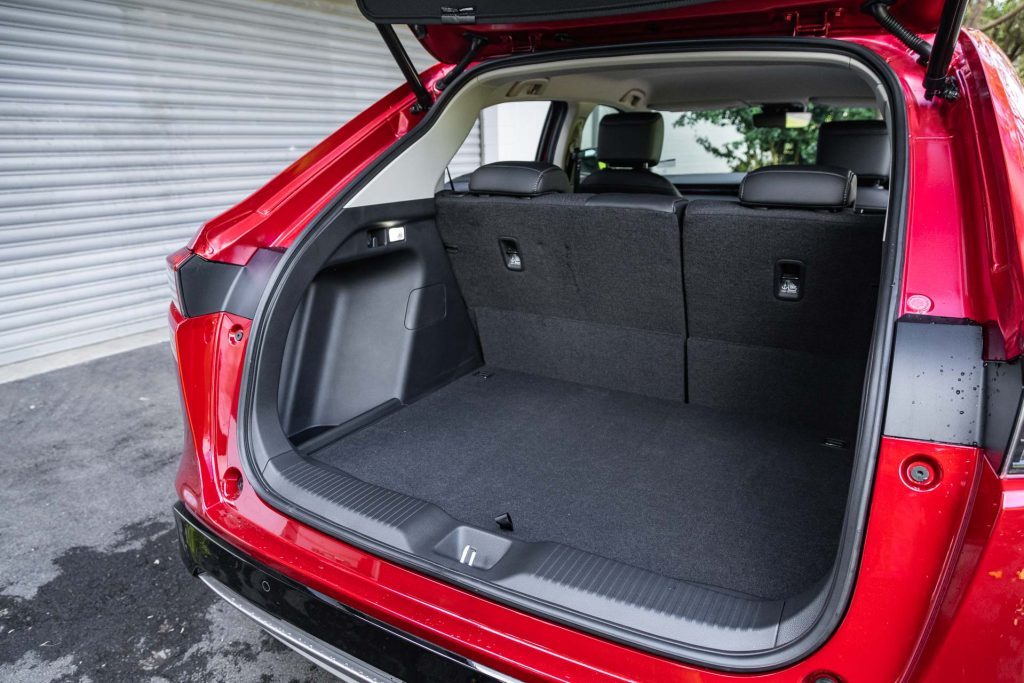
{"points": [[510, 253], [789, 280]]}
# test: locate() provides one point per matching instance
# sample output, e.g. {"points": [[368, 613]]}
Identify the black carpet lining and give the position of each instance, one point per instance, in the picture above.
{"points": [[690, 492]]}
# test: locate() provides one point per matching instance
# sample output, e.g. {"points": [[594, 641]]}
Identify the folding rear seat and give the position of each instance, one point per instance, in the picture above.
{"points": [[780, 294], [579, 287]]}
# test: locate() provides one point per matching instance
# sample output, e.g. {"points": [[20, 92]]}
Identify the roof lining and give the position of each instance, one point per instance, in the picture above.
{"points": [[416, 169]]}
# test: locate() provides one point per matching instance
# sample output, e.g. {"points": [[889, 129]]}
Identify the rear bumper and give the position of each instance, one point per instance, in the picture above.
{"points": [[341, 640], [938, 586]]}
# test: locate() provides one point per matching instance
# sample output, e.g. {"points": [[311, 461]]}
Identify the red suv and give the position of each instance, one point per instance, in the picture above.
{"points": [[596, 412]]}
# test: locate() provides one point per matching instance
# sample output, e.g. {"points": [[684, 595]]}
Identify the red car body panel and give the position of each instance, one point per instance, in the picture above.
{"points": [[919, 543], [940, 588], [963, 236], [977, 635]]}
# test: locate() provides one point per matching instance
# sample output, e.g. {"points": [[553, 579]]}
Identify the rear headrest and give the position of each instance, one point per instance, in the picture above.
{"points": [[805, 187], [632, 139], [861, 146], [518, 178]]}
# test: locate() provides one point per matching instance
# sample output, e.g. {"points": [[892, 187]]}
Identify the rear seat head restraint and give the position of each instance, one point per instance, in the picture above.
{"points": [[800, 187], [629, 144], [861, 146], [518, 179], [631, 140], [864, 148]]}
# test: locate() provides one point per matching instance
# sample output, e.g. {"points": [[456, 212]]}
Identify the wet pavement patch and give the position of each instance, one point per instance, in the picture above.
{"points": [[131, 611], [92, 587]]}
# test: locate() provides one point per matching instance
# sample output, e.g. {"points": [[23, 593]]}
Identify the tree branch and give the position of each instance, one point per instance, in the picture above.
{"points": [[1003, 19]]}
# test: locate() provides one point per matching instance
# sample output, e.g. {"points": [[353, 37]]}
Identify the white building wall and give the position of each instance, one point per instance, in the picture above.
{"points": [[125, 124]]}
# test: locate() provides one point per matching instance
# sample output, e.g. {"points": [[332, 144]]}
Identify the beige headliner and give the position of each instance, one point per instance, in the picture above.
{"points": [[664, 81], [696, 86]]}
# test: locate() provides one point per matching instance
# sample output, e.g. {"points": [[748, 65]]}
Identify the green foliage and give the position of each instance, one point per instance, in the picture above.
{"points": [[1003, 21], [764, 146]]}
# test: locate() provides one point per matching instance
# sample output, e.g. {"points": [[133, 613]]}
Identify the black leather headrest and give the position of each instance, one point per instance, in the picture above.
{"points": [[518, 178], [861, 146], [628, 180], [805, 187], [632, 139], [631, 200]]}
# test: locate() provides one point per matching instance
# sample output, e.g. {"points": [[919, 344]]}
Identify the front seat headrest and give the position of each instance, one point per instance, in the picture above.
{"points": [[861, 146], [801, 187], [519, 179], [632, 140]]}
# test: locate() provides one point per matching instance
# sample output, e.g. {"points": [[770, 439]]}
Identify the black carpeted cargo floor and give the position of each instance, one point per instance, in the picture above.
{"points": [[685, 491]]}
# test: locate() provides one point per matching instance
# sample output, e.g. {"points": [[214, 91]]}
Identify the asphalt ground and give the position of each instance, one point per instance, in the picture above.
{"points": [[91, 584]]}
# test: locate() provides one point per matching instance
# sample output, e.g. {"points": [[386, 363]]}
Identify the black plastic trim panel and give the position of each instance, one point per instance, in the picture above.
{"points": [[372, 641], [806, 622], [554, 120], [943, 391], [212, 286], [938, 382]]}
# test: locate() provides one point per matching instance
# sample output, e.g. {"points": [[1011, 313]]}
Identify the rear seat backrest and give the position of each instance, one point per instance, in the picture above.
{"points": [[780, 294], [598, 299]]}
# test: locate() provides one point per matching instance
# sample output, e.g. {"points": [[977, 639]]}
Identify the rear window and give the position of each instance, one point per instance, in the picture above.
{"points": [[731, 140], [512, 130], [509, 131]]}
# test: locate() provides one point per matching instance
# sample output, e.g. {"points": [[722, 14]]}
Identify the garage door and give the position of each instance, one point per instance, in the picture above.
{"points": [[124, 124]]}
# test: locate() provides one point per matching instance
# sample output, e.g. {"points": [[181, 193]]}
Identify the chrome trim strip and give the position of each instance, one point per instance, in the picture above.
{"points": [[324, 655]]}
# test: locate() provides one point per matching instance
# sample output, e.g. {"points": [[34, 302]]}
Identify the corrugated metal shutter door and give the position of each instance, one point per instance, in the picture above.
{"points": [[125, 124]]}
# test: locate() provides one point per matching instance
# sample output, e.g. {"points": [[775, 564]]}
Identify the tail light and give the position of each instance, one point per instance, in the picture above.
{"points": [[174, 263]]}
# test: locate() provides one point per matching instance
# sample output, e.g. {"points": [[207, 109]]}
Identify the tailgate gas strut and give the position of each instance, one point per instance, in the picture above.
{"points": [[423, 98], [937, 81], [936, 57]]}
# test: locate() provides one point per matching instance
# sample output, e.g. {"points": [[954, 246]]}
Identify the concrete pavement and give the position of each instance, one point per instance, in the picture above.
{"points": [[91, 585]]}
